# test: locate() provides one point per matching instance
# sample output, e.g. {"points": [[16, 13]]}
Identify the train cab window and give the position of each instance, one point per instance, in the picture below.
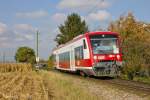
{"points": [[104, 44], [84, 44]]}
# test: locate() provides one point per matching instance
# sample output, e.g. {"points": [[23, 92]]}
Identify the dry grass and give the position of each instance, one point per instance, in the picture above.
{"points": [[22, 86], [15, 67], [65, 89], [19, 82], [70, 87]]}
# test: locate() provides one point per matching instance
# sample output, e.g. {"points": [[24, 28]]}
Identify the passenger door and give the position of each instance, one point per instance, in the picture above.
{"points": [[72, 60], [85, 49]]}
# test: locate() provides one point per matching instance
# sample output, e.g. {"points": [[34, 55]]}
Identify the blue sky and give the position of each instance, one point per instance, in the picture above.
{"points": [[19, 19]]}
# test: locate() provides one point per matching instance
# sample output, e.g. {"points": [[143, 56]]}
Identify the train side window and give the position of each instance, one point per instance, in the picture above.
{"points": [[84, 44], [79, 53], [64, 57]]}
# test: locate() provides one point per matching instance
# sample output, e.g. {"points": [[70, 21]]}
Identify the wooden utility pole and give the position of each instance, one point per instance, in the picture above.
{"points": [[37, 47]]}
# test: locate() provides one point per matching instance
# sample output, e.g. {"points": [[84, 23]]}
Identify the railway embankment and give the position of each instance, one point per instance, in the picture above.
{"points": [[73, 87]]}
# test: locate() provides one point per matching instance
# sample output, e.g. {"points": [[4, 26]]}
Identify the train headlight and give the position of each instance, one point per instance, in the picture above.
{"points": [[111, 56], [95, 57], [118, 56]]}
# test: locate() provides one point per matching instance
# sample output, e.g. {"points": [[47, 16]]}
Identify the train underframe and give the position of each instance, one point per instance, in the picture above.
{"points": [[104, 68]]}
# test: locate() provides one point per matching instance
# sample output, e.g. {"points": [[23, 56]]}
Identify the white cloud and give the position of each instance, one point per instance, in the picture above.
{"points": [[5, 44], [18, 33], [24, 32], [24, 27], [23, 38], [101, 15], [59, 17], [82, 4], [19, 39], [29, 36], [3, 38], [35, 14], [3, 28]]}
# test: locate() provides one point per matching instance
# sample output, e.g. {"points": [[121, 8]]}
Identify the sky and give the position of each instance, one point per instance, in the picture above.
{"points": [[20, 19]]}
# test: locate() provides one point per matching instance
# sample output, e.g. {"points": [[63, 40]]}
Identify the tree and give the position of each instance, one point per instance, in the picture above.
{"points": [[25, 54], [72, 27], [135, 43]]}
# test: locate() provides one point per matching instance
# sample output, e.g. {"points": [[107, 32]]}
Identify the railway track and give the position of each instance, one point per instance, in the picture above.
{"points": [[128, 85], [131, 84], [135, 87]]}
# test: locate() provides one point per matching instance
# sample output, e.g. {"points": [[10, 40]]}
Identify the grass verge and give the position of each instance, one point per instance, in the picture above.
{"points": [[64, 87]]}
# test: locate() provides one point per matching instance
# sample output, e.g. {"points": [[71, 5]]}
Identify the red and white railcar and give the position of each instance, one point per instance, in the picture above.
{"points": [[93, 53]]}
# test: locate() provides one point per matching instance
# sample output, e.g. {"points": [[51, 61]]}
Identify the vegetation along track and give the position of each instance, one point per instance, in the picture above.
{"points": [[134, 87]]}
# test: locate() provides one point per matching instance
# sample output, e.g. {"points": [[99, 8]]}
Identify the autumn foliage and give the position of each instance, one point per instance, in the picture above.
{"points": [[135, 37]]}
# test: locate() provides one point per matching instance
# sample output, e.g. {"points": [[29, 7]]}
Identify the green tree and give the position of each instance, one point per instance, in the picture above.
{"points": [[135, 44], [72, 27], [25, 54]]}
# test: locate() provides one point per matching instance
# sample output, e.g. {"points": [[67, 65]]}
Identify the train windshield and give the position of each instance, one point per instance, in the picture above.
{"points": [[104, 44]]}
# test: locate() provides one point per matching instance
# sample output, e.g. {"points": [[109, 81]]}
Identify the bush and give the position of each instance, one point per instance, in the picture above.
{"points": [[130, 75], [51, 62]]}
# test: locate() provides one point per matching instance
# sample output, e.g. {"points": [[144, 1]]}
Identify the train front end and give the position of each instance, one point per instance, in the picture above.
{"points": [[106, 53]]}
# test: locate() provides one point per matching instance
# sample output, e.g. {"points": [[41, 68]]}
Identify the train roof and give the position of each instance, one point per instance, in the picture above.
{"points": [[102, 32], [86, 34]]}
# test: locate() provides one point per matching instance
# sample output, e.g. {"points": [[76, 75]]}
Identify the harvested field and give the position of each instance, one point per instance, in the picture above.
{"points": [[22, 86], [15, 67], [19, 82]]}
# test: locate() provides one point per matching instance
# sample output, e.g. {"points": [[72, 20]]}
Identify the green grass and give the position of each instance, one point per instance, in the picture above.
{"points": [[139, 79], [142, 79]]}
